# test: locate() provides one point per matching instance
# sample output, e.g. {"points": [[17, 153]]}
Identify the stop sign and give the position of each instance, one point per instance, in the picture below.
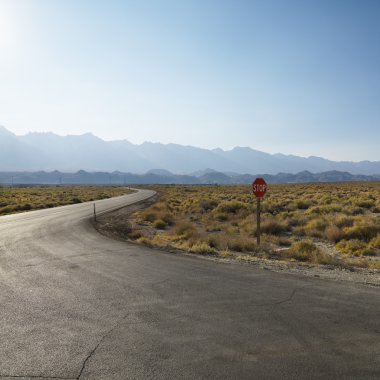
{"points": [[259, 187]]}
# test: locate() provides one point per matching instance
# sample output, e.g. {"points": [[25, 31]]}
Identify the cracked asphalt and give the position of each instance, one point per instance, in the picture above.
{"points": [[77, 305]]}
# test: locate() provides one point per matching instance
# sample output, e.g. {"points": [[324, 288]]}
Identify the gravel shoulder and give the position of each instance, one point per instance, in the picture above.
{"points": [[117, 224]]}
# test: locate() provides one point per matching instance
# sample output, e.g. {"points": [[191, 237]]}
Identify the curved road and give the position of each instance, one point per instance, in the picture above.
{"points": [[77, 305]]}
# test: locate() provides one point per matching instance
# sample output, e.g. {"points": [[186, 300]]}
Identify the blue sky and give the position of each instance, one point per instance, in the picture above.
{"points": [[297, 77]]}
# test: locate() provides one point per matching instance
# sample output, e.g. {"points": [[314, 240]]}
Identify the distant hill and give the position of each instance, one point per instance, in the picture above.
{"points": [[49, 152], [164, 177]]}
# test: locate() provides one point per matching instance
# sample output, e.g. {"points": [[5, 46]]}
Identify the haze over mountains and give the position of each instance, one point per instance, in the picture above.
{"points": [[207, 177], [49, 152]]}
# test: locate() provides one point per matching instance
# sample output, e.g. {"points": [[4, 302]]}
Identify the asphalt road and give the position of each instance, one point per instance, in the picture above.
{"points": [[77, 305]]}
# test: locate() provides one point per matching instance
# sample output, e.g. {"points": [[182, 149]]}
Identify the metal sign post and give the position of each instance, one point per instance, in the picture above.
{"points": [[258, 232], [259, 188]]}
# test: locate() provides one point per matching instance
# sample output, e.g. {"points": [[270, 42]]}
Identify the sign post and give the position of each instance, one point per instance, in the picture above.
{"points": [[259, 188], [94, 212], [258, 229]]}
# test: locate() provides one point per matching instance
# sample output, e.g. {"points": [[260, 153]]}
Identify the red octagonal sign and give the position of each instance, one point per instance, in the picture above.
{"points": [[259, 187]]}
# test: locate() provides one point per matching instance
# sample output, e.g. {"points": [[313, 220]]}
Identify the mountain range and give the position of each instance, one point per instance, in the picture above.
{"points": [[160, 176], [49, 152]]}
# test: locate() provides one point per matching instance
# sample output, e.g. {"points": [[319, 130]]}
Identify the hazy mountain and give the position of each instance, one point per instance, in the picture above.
{"points": [[153, 177], [48, 151]]}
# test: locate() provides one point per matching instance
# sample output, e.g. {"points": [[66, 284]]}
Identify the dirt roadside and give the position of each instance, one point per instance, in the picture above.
{"points": [[121, 223]]}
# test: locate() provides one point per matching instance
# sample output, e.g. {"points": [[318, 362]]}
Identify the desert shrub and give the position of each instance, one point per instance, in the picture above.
{"points": [[282, 241], [77, 200], [364, 232], [353, 210], [315, 227], [203, 248], [318, 224], [160, 224], [242, 244], [273, 226], [303, 250], [222, 216], [213, 227], [275, 208], [375, 242], [145, 241], [325, 259], [303, 204], [24, 207], [218, 241], [6, 210], [344, 221], [122, 228], [168, 218], [370, 252], [135, 234], [149, 216], [185, 230], [231, 207], [207, 205], [226, 254], [307, 251], [296, 220], [333, 233], [324, 209], [364, 203], [353, 247]]}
